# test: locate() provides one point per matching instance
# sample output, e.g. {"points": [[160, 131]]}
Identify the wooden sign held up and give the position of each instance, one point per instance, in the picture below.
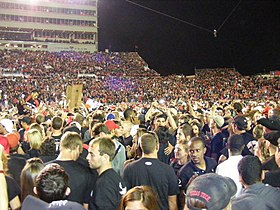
{"points": [[74, 96]]}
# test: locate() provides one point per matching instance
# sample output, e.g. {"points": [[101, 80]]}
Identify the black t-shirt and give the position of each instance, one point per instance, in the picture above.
{"points": [[107, 192], [272, 178], [15, 166], [270, 164], [163, 157], [13, 188], [176, 166], [21, 109], [188, 170], [81, 180], [152, 172], [217, 144], [33, 153], [48, 158]]}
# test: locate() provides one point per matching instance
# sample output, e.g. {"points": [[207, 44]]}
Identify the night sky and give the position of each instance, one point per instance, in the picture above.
{"points": [[249, 40]]}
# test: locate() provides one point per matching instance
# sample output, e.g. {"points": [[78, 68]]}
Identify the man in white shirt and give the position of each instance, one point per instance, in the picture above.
{"points": [[229, 167]]}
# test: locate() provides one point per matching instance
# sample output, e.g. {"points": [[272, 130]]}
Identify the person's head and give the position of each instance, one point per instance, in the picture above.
{"points": [[79, 118], [40, 118], [183, 119], [181, 150], [237, 107], [38, 128], [25, 122], [216, 122], [149, 143], [129, 114], [101, 152], [196, 150], [140, 197], [239, 124], [28, 175], [210, 191], [71, 143], [100, 130], [258, 132], [35, 138], [48, 147], [118, 130], [34, 94], [274, 113], [163, 134], [184, 132], [52, 183], [160, 120], [250, 171], [195, 129], [57, 123], [235, 144], [256, 116]]}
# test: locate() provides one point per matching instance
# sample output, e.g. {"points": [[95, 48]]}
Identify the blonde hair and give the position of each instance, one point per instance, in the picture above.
{"points": [[35, 138], [71, 140]]}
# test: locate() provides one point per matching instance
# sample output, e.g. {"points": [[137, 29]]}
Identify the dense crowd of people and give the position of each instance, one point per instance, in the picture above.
{"points": [[209, 141], [118, 77]]}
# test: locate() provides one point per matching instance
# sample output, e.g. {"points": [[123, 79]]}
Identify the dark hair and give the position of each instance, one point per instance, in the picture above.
{"points": [[28, 175], [144, 194], [100, 128], [249, 168], [128, 113], [161, 116], [163, 134], [57, 123], [197, 139], [52, 183], [97, 118], [237, 106], [48, 147]]}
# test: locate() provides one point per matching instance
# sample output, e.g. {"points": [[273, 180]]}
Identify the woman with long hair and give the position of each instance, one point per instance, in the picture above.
{"points": [[140, 197], [28, 175]]}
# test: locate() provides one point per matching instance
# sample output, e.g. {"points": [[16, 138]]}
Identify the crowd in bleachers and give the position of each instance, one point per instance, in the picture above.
{"points": [[127, 73], [182, 127]]}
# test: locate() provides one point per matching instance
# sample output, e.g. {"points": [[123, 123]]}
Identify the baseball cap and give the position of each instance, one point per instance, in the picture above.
{"points": [[111, 125], [219, 120], [273, 137], [110, 116], [30, 202], [214, 190], [7, 124], [241, 122], [271, 124]]}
